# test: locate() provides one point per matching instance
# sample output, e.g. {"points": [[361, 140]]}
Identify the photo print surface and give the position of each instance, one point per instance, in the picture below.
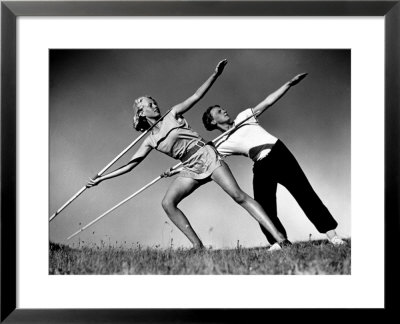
{"points": [[92, 104]]}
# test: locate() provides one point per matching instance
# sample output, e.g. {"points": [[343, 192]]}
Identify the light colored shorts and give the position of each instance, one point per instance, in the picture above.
{"points": [[201, 164]]}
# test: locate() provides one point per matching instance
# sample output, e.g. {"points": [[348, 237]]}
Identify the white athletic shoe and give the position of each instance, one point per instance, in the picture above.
{"points": [[274, 247], [336, 240]]}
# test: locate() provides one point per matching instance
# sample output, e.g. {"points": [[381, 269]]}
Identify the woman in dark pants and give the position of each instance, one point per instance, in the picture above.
{"points": [[273, 164], [201, 162]]}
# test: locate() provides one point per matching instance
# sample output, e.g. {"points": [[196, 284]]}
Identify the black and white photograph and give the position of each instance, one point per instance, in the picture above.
{"points": [[200, 161]]}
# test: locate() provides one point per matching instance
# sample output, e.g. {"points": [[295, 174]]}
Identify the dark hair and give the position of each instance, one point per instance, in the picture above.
{"points": [[207, 118], [140, 122]]}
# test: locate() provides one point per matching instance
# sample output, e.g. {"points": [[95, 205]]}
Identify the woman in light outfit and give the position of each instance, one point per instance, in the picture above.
{"points": [[273, 164], [201, 162]]}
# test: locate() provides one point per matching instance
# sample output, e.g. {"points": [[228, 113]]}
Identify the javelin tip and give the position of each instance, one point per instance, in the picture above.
{"points": [[76, 233], [53, 216]]}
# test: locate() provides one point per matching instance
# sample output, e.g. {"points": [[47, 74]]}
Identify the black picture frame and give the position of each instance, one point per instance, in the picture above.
{"points": [[11, 10]]}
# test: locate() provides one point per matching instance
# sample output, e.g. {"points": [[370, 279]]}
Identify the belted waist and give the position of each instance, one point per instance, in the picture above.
{"points": [[199, 144], [256, 151]]}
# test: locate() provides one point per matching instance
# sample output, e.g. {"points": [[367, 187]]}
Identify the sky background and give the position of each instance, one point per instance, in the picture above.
{"points": [[91, 97]]}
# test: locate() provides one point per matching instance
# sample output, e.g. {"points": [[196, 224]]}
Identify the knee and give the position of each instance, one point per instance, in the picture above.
{"points": [[239, 197], [168, 205]]}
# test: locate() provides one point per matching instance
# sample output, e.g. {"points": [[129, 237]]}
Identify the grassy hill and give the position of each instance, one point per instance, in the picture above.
{"points": [[303, 258]]}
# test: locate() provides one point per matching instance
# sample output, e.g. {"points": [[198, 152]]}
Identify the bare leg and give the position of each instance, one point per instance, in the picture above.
{"points": [[177, 191], [224, 178]]}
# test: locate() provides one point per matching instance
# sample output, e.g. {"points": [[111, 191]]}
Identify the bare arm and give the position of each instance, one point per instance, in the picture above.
{"points": [[192, 100], [275, 96], [138, 157]]}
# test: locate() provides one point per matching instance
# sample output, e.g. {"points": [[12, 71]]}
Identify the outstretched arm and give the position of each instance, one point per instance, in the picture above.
{"points": [[192, 100], [138, 157], [275, 96]]}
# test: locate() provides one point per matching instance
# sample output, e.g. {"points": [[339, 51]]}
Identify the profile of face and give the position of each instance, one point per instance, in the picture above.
{"points": [[148, 107], [219, 116]]}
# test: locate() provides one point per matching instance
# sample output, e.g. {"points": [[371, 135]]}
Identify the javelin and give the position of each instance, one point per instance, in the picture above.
{"points": [[153, 182], [106, 168]]}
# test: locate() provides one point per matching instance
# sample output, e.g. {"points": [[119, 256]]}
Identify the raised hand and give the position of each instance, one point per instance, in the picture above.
{"points": [[297, 78], [220, 66]]}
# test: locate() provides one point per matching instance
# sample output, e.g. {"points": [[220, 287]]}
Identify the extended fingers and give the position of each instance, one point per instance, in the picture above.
{"points": [[223, 62], [301, 76], [298, 78], [221, 65], [91, 183]]}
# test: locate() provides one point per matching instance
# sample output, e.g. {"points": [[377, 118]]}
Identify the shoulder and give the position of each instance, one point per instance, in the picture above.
{"points": [[174, 113], [173, 116], [168, 121], [175, 119], [247, 113], [149, 141], [143, 149]]}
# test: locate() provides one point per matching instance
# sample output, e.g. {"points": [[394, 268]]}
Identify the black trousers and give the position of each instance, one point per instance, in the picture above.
{"points": [[280, 166]]}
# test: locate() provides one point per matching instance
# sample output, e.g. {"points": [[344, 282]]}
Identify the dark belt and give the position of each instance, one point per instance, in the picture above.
{"points": [[199, 144], [257, 149]]}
